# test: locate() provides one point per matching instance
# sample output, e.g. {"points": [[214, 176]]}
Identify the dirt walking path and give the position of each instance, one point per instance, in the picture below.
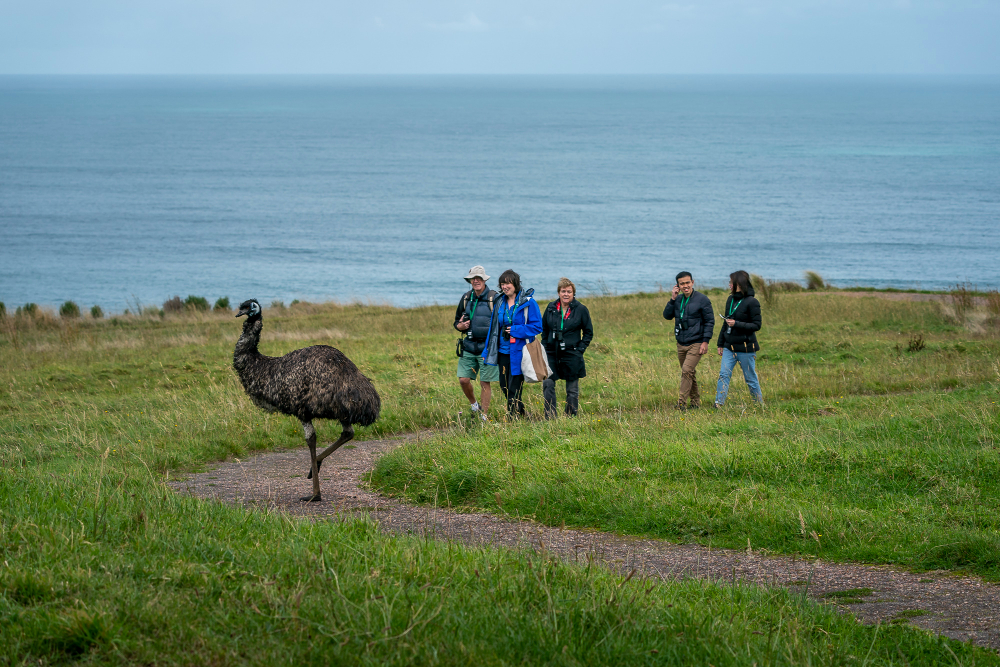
{"points": [[964, 608]]}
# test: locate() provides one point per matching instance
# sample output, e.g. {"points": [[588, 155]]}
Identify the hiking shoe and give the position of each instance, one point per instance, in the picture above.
{"points": [[694, 406]]}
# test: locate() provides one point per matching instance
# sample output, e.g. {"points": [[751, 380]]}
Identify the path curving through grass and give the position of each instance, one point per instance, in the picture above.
{"points": [[964, 608]]}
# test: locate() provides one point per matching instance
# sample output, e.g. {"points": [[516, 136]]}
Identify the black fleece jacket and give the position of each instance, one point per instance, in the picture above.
{"points": [[742, 336]]}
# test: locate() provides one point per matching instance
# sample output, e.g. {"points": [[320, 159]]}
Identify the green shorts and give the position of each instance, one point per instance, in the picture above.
{"points": [[471, 364]]}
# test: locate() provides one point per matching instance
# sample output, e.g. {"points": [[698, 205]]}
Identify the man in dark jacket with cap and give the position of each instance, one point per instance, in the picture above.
{"points": [[694, 322], [473, 317]]}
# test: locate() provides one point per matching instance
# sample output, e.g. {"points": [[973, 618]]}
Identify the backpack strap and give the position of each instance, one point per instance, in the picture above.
{"points": [[489, 300]]}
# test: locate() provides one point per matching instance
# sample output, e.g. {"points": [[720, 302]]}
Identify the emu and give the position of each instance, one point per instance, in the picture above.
{"points": [[317, 382]]}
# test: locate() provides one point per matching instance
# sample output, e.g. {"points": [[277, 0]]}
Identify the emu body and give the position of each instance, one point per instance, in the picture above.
{"points": [[317, 382]]}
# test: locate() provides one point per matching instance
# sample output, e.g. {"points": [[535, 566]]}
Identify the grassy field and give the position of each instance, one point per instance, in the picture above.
{"points": [[101, 563], [878, 444]]}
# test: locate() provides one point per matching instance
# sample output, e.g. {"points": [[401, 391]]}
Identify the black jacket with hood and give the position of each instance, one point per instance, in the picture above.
{"points": [[699, 318], [742, 336]]}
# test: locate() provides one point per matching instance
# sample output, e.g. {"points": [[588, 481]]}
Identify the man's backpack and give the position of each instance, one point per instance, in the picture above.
{"points": [[489, 299]]}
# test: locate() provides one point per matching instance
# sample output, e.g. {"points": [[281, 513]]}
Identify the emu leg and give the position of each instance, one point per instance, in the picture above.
{"points": [[345, 435], [310, 434]]}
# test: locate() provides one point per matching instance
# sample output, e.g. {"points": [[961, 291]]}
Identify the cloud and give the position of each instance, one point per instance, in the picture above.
{"points": [[470, 23]]}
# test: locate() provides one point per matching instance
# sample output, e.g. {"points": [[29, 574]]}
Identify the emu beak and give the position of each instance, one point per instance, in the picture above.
{"points": [[245, 311]]}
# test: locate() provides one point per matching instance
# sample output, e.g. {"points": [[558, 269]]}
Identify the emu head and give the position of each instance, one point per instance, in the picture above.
{"points": [[250, 308]]}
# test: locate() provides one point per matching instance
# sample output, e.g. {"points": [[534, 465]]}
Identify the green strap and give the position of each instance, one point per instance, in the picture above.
{"points": [[733, 309], [684, 303], [475, 302], [562, 318]]}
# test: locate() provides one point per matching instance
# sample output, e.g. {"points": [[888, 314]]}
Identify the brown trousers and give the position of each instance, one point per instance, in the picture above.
{"points": [[689, 358]]}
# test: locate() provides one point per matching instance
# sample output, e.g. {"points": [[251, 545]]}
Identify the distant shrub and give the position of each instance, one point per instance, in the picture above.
{"points": [[174, 305], [916, 344], [27, 310], [280, 305], [222, 304], [295, 302], [3, 310], [962, 299], [198, 303], [765, 289], [992, 302], [69, 310], [788, 286], [96, 312], [814, 281]]}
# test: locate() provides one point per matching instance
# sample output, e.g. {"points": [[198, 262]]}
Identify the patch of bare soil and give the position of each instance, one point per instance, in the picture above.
{"points": [[964, 608]]}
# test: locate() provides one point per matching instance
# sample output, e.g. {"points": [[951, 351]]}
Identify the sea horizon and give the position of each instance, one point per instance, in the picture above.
{"points": [[124, 188]]}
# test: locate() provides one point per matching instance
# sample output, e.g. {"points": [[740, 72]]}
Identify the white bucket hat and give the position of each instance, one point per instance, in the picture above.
{"points": [[476, 272]]}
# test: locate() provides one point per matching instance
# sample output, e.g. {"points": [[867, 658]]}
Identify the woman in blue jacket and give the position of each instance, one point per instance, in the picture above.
{"points": [[516, 320]]}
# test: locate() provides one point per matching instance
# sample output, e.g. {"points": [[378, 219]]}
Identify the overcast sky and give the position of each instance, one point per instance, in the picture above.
{"points": [[493, 36]]}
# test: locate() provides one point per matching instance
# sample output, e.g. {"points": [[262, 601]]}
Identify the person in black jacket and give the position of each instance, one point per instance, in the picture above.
{"points": [[566, 333], [472, 318], [738, 338], [694, 322]]}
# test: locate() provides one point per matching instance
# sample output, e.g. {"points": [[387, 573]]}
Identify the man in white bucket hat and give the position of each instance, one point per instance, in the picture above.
{"points": [[472, 318]]}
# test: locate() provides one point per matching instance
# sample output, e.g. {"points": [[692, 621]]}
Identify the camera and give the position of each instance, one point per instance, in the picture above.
{"points": [[559, 337]]}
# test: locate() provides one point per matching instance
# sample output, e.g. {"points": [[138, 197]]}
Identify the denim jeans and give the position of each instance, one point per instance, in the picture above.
{"points": [[748, 362]]}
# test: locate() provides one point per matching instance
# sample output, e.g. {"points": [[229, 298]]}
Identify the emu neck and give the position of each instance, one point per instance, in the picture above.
{"points": [[246, 346]]}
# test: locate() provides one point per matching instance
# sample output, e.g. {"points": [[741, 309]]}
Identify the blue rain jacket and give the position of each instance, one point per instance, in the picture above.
{"points": [[527, 324]]}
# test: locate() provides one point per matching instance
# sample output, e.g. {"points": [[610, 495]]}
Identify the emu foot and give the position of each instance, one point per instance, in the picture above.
{"points": [[319, 464], [311, 499]]}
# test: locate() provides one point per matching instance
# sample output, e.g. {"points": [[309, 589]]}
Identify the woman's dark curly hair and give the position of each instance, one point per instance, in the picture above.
{"points": [[510, 277]]}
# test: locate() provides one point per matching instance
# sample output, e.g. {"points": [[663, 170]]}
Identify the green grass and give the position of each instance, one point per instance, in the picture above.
{"points": [[101, 563], [132, 573], [905, 479], [849, 596], [865, 452]]}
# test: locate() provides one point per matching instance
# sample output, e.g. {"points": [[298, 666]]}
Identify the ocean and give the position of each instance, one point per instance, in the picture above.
{"points": [[129, 190]]}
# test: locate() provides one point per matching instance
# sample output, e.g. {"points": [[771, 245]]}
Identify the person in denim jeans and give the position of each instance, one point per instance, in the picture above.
{"points": [[738, 338]]}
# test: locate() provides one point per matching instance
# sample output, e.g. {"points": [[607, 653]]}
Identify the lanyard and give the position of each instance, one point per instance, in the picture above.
{"points": [[562, 321], [508, 312], [684, 303], [733, 309], [475, 302]]}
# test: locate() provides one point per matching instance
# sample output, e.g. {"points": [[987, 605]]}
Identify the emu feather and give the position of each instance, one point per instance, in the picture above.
{"points": [[317, 382]]}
